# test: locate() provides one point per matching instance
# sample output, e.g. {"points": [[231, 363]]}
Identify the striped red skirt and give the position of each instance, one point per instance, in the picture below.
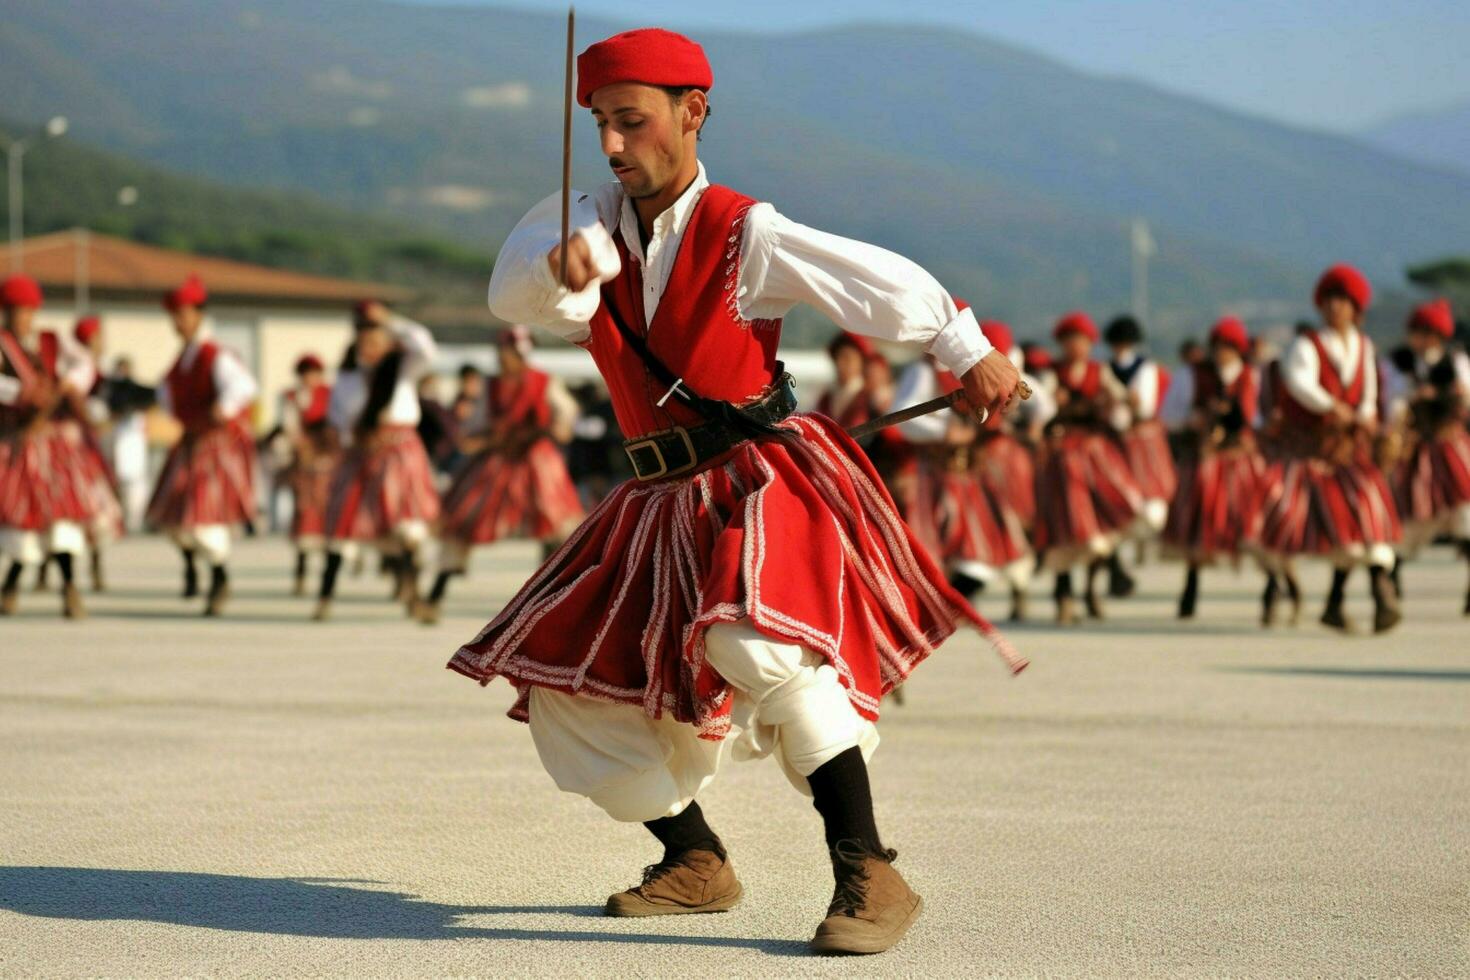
{"points": [[1007, 471], [1313, 506], [39, 481], [381, 486], [495, 496], [208, 478], [1216, 510], [957, 517], [1085, 494], [310, 481], [1433, 482], [94, 481], [796, 536], [1146, 445]]}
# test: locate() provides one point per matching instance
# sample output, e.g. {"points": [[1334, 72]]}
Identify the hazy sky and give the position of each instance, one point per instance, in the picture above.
{"points": [[1335, 64]]}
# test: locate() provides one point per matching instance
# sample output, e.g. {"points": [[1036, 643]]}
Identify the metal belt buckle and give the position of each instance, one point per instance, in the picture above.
{"points": [[652, 443]]}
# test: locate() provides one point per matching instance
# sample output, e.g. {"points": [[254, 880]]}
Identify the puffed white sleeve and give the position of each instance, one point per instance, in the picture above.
{"points": [[1301, 373], [1368, 407], [236, 388], [75, 367], [522, 287], [861, 287], [1145, 387], [10, 389], [419, 348]]}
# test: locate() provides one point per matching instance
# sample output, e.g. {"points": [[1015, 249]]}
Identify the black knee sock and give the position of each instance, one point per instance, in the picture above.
{"points": [[329, 574], [841, 794], [1336, 594], [301, 564], [218, 578], [12, 577], [685, 832], [64, 562], [441, 585], [1064, 585]]}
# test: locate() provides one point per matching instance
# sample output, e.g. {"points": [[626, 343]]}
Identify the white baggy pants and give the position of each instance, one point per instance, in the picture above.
{"points": [[787, 701], [32, 547]]}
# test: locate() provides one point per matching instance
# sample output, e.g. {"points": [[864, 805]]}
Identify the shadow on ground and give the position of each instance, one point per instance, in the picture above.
{"points": [[1359, 673], [329, 908]]}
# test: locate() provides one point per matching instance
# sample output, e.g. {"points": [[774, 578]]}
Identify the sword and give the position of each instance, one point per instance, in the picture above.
{"points": [[923, 408], [566, 147]]}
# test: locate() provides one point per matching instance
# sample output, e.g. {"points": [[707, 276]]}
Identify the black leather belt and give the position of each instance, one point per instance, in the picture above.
{"points": [[681, 449]]}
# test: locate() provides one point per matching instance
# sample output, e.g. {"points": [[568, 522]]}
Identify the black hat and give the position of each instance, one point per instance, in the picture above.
{"points": [[1123, 330]]}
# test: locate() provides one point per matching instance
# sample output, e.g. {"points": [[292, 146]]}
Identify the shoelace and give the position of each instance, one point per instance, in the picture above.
{"points": [[851, 892], [653, 872]]}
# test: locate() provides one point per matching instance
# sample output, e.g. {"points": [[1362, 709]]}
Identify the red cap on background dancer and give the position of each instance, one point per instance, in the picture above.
{"points": [[1346, 280], [190, 293], [1230, 331], [309, 362], [1076, 322], [20, 291], [1434, 316], [87, 328], [999, 335], [650, 55]]}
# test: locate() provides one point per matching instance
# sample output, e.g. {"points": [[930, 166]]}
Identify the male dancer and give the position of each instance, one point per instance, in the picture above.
{"points": [[383, 491], [514, 482], [754, 574], [1325, 495], [1432, 481], [43, 508]]}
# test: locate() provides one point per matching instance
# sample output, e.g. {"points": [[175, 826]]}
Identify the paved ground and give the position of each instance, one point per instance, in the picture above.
{"points": [[264, 795]]}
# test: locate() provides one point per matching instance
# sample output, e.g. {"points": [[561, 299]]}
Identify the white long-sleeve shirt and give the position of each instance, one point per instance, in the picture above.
{"points": [[1301, 370], [1401, 387], [350, 392], [1143, 386], [861, 287], [234, 386]]}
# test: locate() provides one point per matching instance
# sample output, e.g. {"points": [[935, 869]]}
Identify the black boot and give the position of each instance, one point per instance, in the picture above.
{"points": [[1190, 597], [298, 586], [1333, 616], [1268, 600], [1386, 614], [1066, 605], [191, 575], [1089, 598], [329, 586], [219, 590], [428, 609], [1121, 585]]}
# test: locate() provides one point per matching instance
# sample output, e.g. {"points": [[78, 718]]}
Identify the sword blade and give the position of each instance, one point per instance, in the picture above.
{"points": [[566, 146]]}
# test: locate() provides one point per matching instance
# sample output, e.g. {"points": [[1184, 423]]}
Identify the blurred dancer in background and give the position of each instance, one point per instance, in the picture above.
{"points": [[207, 486], [43, 505], [383, 490], [1325, 495], [314, 456], [514, 481]]}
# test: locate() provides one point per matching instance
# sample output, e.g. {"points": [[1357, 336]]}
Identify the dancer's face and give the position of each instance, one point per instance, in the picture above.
{"points": [[1338, 312], [373, 344], [849, 364], [19, 319], [187, 321], [1076, 347], [648, 137]]}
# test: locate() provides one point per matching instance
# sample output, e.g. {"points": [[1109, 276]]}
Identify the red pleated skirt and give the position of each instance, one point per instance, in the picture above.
{"points": [[40, 480], [1216, 509], [208, 478], [1084, 491], [1313, 506], [495, 496], [380, 486], [1147, 447], [1434, 480], [796, 536]]}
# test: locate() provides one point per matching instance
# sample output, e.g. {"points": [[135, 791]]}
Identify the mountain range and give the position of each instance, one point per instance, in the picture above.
{"points": [[1011, 176], [1438, 137]]}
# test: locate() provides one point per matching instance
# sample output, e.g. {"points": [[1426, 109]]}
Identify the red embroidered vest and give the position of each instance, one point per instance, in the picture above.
{"points": [[520, 401], [29, 369], [697, 330], [1244, 390], [1296, 413], [191, 391], [318, 400]]}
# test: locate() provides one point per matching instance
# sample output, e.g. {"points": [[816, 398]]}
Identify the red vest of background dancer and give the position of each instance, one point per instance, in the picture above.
{"points": [[1298, 414], [192, 391], [520, 402], [30, 369], [1244, 391]]}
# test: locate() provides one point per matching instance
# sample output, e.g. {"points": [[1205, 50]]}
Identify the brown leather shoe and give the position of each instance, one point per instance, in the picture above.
{"points": [[71, 602], [695, 881], [872, 906], [8, 599]]}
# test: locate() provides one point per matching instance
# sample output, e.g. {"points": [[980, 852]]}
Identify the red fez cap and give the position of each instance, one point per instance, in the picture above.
{"points": [[857, 342], [20, 291], [87, 328], [189, 293], [999, 335], [1076, 322], [309, 362], [1346, 280], [1229, 330], [650, 55], [1434, 316]]}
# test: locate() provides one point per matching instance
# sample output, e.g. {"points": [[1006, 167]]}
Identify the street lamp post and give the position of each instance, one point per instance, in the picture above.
{"points": [[15, 183]]}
